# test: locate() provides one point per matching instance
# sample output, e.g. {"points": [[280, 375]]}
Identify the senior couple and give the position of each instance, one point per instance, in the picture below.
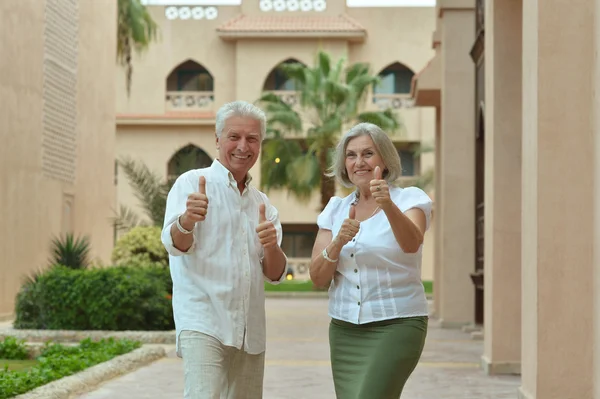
{"points": [[224, 237]]}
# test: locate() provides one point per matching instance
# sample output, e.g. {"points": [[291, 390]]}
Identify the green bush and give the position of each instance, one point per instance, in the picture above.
{"points": [[140, 246], [114, 298], [13, 349], [57, 361]]}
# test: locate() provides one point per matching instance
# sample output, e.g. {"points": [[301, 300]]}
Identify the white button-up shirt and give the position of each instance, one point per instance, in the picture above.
{"points": [[218, 284], [375, 279]]}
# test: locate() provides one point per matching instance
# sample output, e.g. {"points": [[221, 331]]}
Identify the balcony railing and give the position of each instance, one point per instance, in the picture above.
{"points": [[394, 101], [189, 101], [290, 97], [300, 267]]}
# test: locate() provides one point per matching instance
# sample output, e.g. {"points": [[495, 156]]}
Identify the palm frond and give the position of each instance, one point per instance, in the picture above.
{"points": [[135, 31], [148, 188], [307, 176], [126, 219], [277, 154], [384, 120]]}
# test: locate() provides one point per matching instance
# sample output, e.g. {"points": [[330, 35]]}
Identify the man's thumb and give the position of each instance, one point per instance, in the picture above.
{"points": [[262, 217], [202, 185]]}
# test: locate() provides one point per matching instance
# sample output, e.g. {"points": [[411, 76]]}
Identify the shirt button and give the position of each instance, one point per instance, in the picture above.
{"points": [[357, 287], [352, 255], [354, 239], [355, 270], [358, 303]]}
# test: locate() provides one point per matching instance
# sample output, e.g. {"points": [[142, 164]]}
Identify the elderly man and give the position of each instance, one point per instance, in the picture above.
{"points": [[223, 237]]}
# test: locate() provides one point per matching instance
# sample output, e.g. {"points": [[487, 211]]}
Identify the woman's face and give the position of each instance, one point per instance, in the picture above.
{"points": [[361, 160]]}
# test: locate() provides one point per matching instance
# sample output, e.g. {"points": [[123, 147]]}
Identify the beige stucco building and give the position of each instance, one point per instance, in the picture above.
{"points": [[515, 87], [209, 55], [57, 118]]}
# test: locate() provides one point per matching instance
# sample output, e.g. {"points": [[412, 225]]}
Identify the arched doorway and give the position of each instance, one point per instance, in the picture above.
{"points": [[478, 275]]}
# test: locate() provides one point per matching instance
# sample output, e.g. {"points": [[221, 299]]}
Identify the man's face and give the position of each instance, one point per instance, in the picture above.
{"points": [[239, 145]]}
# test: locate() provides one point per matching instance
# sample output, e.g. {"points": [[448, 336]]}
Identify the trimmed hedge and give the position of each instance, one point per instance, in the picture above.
{"points": [[114, 298]]}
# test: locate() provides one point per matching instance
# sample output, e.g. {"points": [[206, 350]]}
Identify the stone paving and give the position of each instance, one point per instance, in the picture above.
{"points": [[297, 365]]}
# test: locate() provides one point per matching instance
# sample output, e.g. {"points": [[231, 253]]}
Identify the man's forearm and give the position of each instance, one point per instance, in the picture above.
{"points": [[274, 263], [182, 242]]}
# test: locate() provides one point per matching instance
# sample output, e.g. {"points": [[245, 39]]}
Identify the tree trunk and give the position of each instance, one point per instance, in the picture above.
{"points": [[327, 183]]}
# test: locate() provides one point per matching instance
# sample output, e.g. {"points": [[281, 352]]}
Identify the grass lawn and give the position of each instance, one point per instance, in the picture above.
{"points": [[307, 286], [15, 365], [291, 286]]}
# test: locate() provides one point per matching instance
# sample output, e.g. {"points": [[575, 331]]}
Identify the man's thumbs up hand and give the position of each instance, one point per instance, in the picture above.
{"points": [[265, 229], [196, 206]]}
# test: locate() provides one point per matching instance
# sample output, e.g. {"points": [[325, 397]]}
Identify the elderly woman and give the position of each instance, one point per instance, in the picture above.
{"points": [[369, 248]]}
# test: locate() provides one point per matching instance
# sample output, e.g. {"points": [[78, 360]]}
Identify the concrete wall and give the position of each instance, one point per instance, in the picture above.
{"points": [[56, 167]]}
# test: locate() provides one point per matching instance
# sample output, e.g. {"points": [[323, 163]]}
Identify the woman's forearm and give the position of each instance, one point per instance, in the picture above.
{"points": [[321, 269], [407, 234]]}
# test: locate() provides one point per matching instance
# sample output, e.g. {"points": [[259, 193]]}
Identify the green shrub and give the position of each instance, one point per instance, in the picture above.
{"points": [[140, 246], [13, 349], [57, 361], [113, 298]]}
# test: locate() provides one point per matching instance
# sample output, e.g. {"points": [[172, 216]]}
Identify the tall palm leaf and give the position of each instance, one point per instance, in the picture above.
{"points": [[330, 98], [149, 188], [135, 31]]}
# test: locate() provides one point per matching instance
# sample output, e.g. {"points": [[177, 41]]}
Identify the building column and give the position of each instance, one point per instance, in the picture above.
{"points": [[557, 200], [457, 169], [596, 210], [438, 260], [502, 262]]}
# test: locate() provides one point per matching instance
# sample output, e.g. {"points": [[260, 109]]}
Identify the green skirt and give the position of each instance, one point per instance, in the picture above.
{"points": [[374, 360]]}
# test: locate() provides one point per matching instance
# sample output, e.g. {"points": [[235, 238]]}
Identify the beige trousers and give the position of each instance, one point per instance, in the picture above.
{"points": [[214, 371]]}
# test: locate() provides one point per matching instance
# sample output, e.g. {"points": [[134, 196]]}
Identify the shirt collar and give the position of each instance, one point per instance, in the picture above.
{"points": [[225, 175]]}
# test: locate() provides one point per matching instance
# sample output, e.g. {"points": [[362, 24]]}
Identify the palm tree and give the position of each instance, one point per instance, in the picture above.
{"points": [[330, 98], [135, 31]]}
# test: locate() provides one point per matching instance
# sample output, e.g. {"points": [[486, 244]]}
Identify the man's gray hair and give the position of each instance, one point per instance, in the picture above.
{"points": [[240, 108], [384, 146]]}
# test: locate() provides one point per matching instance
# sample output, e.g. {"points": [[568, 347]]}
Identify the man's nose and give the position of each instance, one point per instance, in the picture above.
{"points": [[242, 144]]}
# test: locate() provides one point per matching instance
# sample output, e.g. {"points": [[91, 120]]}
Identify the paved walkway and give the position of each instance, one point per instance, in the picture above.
{"points": [[297, 365]]}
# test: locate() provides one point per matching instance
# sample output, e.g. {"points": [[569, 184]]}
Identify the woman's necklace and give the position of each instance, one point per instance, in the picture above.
{"points": [[355, 202]]}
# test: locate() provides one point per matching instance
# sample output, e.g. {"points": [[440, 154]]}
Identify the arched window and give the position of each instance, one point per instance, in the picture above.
{"points": [[188, 158], [190, 76], [395, 79], [278, 81], [189, 88]]}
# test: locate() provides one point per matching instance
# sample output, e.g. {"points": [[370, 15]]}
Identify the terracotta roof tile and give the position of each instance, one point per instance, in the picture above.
{"points": [[281, 24], [170, 115]]}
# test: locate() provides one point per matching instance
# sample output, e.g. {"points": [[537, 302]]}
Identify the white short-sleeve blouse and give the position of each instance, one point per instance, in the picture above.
{"points": [[375, 279]]}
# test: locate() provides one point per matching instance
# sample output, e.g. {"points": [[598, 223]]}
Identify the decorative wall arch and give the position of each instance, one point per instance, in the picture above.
{"points": [[190, 75], [187, 158]]}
